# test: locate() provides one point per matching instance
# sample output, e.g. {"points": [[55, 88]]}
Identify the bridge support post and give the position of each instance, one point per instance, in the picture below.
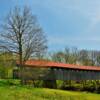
{"points": [[50, 84]]}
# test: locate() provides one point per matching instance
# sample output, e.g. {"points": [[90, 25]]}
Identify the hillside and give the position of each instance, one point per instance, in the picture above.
{"points": [[29, 93]]}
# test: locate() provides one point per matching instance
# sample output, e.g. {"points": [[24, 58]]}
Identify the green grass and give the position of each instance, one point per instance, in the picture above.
{"points": [[12, 90], [29, 93]]}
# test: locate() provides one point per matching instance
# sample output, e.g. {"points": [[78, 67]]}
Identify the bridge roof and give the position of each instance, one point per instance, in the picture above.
{"points": [[50, 64]]}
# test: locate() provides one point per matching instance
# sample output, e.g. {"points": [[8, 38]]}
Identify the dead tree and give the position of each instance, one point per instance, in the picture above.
{"points": [[21, 34]]}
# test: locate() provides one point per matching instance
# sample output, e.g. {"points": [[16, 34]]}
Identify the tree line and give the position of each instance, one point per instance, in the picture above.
{"points": [[73, 55]]}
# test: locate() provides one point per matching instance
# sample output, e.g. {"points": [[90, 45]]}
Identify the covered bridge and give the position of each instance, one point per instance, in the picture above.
{"points": [[62, 71]]}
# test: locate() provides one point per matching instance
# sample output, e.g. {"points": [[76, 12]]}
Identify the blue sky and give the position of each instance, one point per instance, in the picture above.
{"points": [[65, 22]]}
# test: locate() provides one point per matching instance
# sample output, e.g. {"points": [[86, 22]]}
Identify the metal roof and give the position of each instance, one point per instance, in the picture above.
{"points": [[51, 64]]}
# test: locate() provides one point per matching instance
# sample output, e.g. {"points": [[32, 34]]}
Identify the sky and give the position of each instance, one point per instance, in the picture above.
{"points": [[65, 22]]}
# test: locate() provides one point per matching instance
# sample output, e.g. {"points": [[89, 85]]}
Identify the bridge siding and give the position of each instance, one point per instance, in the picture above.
{"points": [[67, 74], [64, 74]]}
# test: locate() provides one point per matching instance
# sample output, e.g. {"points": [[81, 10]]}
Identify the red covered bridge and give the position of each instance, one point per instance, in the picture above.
{"points": [[62, 71]]}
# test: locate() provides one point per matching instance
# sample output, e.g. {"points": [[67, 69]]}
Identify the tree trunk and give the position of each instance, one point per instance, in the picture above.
{"points": [[21, 65]]}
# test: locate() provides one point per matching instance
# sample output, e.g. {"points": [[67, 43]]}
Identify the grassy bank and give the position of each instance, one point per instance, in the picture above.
{"points": [[29, 93], [12, 90]]}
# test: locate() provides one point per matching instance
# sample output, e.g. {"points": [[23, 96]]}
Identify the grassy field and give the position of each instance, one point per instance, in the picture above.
{"points": [[29, 93], [12, 90]]}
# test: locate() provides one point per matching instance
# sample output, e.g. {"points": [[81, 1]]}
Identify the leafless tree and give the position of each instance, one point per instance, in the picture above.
{"points": [[21, 34]]}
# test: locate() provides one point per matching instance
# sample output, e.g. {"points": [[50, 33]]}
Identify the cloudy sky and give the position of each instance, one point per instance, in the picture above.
{"points": [[65, 22]]}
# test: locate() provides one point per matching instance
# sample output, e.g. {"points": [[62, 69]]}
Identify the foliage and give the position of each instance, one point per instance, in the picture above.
{"points": [[7, 63]]}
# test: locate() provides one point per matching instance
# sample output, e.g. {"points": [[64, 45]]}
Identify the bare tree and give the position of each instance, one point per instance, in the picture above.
{"points": [[21, 34], [71, 55], [58, 56]]}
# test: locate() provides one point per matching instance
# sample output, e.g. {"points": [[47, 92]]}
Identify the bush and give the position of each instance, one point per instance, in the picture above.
{"points": [[9, 82]]}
